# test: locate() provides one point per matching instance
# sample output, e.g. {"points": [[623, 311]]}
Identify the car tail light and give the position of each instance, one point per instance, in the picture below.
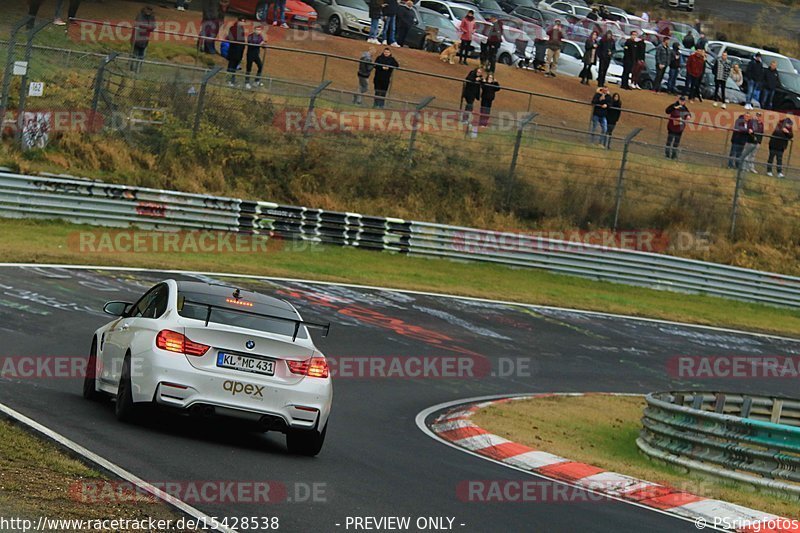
{"points": [[316, 367], [172, 341]]}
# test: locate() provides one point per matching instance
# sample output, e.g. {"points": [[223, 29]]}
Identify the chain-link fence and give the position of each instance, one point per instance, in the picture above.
{"points": [[539, 168]]}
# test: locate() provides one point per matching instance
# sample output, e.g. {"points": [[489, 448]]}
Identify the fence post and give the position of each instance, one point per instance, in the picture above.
{"points": [[513, 167], [789, 155], [621, 178], [23, 93], [12, 47], [311, 103], [739, 179], [324, 69], [99, 78], [201, 98], [415, 126]]}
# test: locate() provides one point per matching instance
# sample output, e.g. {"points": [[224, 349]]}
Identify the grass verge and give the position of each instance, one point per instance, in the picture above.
{"points": [[37, 479], [602, 431], [51, 242]]}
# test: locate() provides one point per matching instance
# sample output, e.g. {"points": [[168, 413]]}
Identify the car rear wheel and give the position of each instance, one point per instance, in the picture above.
{"points": [[334, 25], [89, 379], [505, 59], [307, 443], [125, 409], [261, 12], [646, 84]]}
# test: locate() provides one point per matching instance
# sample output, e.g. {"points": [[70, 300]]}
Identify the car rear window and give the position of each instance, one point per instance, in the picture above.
{"points": [[192, 305]]}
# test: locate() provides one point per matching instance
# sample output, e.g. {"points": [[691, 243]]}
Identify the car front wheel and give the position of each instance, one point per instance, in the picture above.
{"points": [[307, 443], [334, 25]]}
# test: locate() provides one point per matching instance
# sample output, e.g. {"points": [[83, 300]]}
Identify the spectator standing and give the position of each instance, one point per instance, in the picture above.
{"points": [[406, 19], [589, 58], [34, 5], [555, 36], [605, 51], [384, 66], [628, 60], [489, 89], [678, 115], [771, 81], [365, 67], [375, 16], [639, 49], [695, 68], [778, 143], [493, 42], [736, 75], [255, 43], [741, 132], [600, 102], [688, 40], [675, 60], [471, 92], [466, 29], [236, 42], [279, 13], [722, 71], [612, 117], [756, 127], [702, 42], [645, 17], [755, 80], [143, 27], [212, 21], [389, 19], [662, 62]]}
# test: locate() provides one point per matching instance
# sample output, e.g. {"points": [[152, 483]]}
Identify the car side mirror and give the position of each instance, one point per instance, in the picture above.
{"points": [[117, 308]]}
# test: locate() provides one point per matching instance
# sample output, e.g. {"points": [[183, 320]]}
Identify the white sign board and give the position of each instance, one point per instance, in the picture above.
{"points": [[36, 88], [20, 68]]}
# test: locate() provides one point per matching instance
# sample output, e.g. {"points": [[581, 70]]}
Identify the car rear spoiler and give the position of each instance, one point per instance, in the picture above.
{"points": [[296, 321]]}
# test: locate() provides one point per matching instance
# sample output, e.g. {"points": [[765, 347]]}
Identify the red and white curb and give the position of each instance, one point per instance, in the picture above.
{"points": [[451, 424]]}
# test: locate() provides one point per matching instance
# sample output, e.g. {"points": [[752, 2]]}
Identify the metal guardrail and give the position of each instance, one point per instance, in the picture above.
{"points": [[752, 439], [103, 204]]}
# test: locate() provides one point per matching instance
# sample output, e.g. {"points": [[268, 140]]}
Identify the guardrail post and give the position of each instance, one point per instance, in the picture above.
{"points": [[312, 101], [415, 126], [621, 178], [23, 84], [739, 180], [99, 78], [789, 155], [201, 98], [12, 47], [513, 167]]}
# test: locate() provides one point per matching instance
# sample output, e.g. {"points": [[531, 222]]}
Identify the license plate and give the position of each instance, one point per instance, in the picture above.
{"points": [[245, 364]]}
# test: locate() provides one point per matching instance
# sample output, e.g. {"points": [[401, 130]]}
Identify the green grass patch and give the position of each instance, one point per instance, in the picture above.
{"points": [[602, 431], [49, 242]]}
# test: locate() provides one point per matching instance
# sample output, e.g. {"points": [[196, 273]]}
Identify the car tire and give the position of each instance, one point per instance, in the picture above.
{"points": [[308, 443], [505, 59], [125, 409], [334, 25], [89, 379], [647, 85], [261, 12]]}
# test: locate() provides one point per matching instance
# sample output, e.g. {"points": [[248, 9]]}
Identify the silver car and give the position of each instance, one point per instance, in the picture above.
{"points": [[343, 16]]}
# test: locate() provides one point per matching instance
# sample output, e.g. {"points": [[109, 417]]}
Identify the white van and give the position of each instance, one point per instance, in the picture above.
{"points": [[743, 54]]}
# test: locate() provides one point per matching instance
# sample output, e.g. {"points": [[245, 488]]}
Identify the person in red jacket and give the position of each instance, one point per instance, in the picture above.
{"points": [[695, 68], [467, 29], [678, 115]]}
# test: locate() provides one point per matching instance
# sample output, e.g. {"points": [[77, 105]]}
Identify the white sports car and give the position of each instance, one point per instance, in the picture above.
{"points": [[213, 350]]}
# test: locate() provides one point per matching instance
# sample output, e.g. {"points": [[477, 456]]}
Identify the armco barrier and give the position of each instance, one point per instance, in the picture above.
{"points": [[104, 204], [753, 439]]}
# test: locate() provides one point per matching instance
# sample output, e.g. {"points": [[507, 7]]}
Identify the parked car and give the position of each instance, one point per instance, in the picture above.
{"points": [[445, 34], [545, 4], [298, 14], [566, 8], [688, 5], [745, 53], [571, 63], [488, 7], [787, 95], [343, 16], [454, 11], [509, 5]]}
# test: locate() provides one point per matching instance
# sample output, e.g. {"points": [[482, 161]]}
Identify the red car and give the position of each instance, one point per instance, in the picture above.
{"points": [[297, 13]]}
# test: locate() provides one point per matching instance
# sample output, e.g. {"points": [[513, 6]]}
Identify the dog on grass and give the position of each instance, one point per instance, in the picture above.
{"points": [[449, 54]]}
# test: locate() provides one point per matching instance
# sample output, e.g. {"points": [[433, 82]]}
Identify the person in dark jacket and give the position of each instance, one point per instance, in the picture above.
{"points": [[600, 102], [678, 115], [384, 66], [375, 16], [662, 62], [633, 49], [406, 19], [675, 60], [638, 62], [72, 12], [741, 132], [255, 43], [212, 20], [721, 71], [688, 41], [754, 74], [493, 42], [605, 51], [489, 89], [389, 19], [702, 42], [695, 68], [778, 143], [237, 37], [365, 67], [771, 82], [589, 58], [756, 126], [471, 92], [613, 115], [143, 27]]}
